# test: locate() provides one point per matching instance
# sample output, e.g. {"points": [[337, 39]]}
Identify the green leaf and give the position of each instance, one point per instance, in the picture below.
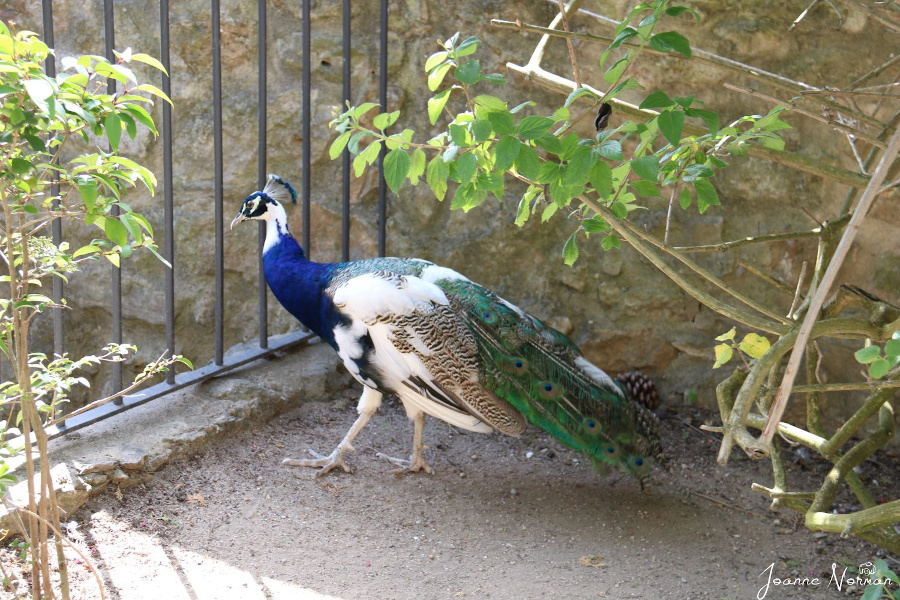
{"points": [[619, 209], [149, 60], [527, 162], [628, 84], [892, 349], [506, 152], [113, 127], [20, 166], [116, 232], [879, 368], [657, 99], [710, 119], [579, 168], [435, 59], [706, 195], [646, 167], [357, 112], [595, 225], [436, 176], [416, 166], [436, 77], [549, 211], [674, 11], [611, 149], [436, 105], [723, 355], [467, 46], [85, 250], [459, 135], [38, 90], [396, 167], [754, 346], [578, 93], [469, 72], [867, 355], [524, 210], [646, 189], [728, 335], [533, 127], [486, 104], [152, 89], [87, 186], [481, 130], [628, 32], [601, 179], [570, 249], [503, 122], [338, 145], [366, 157], [609, 242], [671, 41], [684, 198], [671, 122], [615, 70], [466, 167], [384, 120]]}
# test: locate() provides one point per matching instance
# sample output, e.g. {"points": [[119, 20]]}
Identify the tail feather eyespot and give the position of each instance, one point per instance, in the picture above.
{"points": [[517, 365], [638, 465], [591, 426], [610, 452], [550, 390]]}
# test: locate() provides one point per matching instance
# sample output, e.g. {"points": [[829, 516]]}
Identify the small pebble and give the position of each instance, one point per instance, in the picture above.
{"points": [[514, 492], [463, 475], [529, 454]]}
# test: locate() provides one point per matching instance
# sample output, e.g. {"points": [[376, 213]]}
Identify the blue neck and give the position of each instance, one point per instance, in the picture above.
{"points": [[299, 285]]}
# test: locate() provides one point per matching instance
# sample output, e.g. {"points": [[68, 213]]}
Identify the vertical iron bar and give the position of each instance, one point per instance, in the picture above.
{"points": [[345, 166], [115, 272], [168, 192], [306, 117], [382, 97], [262, 52], [59, 345], [218, 195]]}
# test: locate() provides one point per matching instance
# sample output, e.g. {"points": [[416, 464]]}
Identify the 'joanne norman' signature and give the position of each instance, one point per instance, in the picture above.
{"points": [[838, 581]]}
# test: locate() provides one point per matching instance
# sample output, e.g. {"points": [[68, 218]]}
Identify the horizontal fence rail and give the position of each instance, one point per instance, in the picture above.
{"points": [[265, 345]]}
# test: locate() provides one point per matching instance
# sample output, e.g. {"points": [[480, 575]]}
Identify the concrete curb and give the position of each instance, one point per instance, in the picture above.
{"points": [[127, 448]]}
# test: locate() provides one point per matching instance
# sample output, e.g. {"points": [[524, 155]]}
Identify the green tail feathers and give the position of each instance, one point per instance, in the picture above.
{"points": [[542, 374]]}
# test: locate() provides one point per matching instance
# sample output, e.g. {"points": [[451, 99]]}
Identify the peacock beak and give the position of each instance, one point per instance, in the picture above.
{"points": [[238, 219]]}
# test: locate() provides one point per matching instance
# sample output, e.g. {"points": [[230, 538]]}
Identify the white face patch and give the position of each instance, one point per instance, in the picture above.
{"points": [[276, 225]]}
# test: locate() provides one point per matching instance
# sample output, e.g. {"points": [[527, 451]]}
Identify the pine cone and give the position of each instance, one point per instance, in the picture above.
{"points": [[641, 388]]}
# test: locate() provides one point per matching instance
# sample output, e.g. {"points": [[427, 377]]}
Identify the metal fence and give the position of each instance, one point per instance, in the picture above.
{"points": [[264, 346]]}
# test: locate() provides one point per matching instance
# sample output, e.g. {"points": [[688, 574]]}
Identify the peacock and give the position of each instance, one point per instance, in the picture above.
{"points": [[448, 348]]}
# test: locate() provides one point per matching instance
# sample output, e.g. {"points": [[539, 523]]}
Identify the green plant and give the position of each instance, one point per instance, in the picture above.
{"points": [[665, 154], [884, 578], [47, 172]]}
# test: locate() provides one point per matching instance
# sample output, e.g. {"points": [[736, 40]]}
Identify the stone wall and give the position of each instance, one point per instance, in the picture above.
{"points": [[620, 309]]}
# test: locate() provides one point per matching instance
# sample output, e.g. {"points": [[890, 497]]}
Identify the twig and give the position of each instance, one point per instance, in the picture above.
{"points": [[878, 16], [818, 300], [803, 14], [86, 560], [669, 215], [800, 110], [798, 291], [874, 72], [765, 277], [770, 237], [569, 45], [727, 504]]}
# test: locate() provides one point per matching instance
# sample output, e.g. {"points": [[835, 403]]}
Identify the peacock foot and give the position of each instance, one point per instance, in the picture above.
{"points": [[326, 464], [407, 466]]}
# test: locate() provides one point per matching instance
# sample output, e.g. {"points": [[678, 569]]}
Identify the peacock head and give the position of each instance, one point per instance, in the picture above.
{"points": [[266, 205]]}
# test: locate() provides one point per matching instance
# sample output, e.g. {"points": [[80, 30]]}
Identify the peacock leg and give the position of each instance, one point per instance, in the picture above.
{"points": [[417, 462], [368, 404]]}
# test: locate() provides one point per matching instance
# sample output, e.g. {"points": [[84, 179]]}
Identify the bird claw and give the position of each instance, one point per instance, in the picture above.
{"points": [[407, 466], [326, 463]]}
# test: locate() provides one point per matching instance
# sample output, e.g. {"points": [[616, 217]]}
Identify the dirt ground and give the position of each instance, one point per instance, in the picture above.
{"points": [[501, 518]]}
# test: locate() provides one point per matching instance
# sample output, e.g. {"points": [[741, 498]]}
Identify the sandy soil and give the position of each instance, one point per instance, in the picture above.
{"points": [[501, 518]]}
